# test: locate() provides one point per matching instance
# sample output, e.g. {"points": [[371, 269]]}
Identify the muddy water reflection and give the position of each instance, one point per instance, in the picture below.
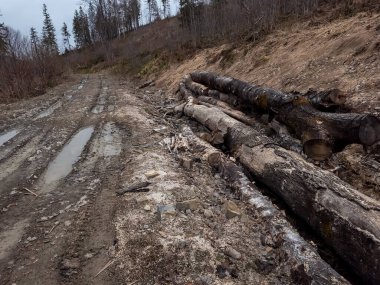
{"points": [[63, 163]]}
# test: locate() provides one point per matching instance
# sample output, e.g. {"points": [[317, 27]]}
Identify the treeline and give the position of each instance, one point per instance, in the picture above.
{"points": [[104, 20], [28, 64]]}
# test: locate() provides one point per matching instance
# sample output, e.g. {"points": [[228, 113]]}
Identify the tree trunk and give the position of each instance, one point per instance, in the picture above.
{"points": [[303, 258], [346, 219], [326, 100], [320, 132]]}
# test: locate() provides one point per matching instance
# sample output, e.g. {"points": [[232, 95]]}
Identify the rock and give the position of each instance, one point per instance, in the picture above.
{"points": [[231, 252], [147, 208], [70, 264], [67, 223], [231, 210], [187, 163], [165, 211], [142, 200], [151, 174], [208, 213], [31, 239], [192, 205]]}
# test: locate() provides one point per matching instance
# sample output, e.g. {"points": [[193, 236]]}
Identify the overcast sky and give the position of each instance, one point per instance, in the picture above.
{"points": [[23, 14]]}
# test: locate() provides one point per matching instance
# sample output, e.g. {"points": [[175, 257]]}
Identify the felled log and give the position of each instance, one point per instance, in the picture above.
{"points": [[320, 132], [200, 90], [326, 100], [347, 220], [304, 258]]}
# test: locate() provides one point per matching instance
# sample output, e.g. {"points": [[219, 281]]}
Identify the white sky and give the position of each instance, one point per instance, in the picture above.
{"points": [[23, 14]]}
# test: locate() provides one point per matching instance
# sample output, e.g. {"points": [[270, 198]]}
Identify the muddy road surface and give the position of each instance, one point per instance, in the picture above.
{"points": [[63, 158]]}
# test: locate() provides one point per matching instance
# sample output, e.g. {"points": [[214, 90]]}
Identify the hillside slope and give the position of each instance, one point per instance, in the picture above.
{"points": [[318, 54]]}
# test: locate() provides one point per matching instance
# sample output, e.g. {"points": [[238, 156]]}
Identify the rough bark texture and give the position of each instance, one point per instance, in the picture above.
{"points": [[345, 218], [326, 100], [320, 132], [303, 257]]}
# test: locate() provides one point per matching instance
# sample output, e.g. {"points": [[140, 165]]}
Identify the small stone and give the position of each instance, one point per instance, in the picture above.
{"points": [[208, 213], [229, 251], [187, 163], [70, 264], [192, 205], [67, 223], [231, 210], [89, 255], [188, 212], [142, 200], [151, 174], [31, 239], [147, 208], [165, 211]]}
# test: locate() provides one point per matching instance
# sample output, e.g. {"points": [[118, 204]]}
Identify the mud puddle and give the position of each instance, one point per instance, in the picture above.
{"points": [[10, 237], [49, 111], [8, 136], [62, 165]]}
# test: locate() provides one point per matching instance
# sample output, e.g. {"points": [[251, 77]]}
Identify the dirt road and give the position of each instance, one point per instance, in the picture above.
{"points": [[63, 157]]}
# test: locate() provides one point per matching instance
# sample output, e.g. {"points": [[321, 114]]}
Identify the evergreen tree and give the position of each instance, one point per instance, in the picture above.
{"points": [[3, 37], [66, 37], [153, 10], [49, 41], [165, 8], [81, 29], [34, 40]]}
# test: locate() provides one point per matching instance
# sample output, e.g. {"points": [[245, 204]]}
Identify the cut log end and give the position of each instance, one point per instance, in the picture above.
{"points": [[369, 132], [317, 149]]}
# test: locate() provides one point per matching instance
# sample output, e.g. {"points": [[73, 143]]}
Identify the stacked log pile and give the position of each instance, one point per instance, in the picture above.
{"points": [[346, 219]]}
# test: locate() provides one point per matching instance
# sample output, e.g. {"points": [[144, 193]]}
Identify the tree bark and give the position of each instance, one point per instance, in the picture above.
{"points": [[346, 219], [326, 100], [302, 257], [320, 132]]}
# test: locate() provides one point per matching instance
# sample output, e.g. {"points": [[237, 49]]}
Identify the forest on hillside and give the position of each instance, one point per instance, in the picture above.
{"points": [[30, 64]]}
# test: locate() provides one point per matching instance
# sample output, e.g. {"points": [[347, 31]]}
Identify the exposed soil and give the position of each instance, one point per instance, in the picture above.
{"points": [[66, 154]]}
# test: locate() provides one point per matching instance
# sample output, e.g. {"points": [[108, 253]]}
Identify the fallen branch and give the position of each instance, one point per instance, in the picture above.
{"points": [[30, 191], [105, 267], [135, 188]]}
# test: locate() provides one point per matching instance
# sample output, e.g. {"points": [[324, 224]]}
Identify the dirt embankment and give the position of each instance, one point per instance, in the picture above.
{"points": [[344, 54]]}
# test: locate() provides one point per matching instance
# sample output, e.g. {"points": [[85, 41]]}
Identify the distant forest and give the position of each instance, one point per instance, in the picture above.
{"points": [[30, 64]]}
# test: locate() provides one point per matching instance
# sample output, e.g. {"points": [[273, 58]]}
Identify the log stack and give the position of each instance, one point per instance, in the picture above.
{"points": [[347, 220], [321, 133]]}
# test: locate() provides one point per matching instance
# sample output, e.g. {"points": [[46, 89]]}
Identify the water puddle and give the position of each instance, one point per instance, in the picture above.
{"points": [[10, 237], [49, 111], [63, 163], [8, 136]]}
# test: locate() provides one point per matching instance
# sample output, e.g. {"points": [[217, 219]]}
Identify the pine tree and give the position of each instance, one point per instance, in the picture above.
{"points": [[165, 8], [34, 40], [49, 41], [3, 37], [153, 10], [81, 29], [66, 37]]}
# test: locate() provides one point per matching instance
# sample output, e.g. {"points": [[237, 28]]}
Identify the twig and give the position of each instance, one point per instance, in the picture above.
{"points": [[55, 225], [105, 267], [30, 191]]}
